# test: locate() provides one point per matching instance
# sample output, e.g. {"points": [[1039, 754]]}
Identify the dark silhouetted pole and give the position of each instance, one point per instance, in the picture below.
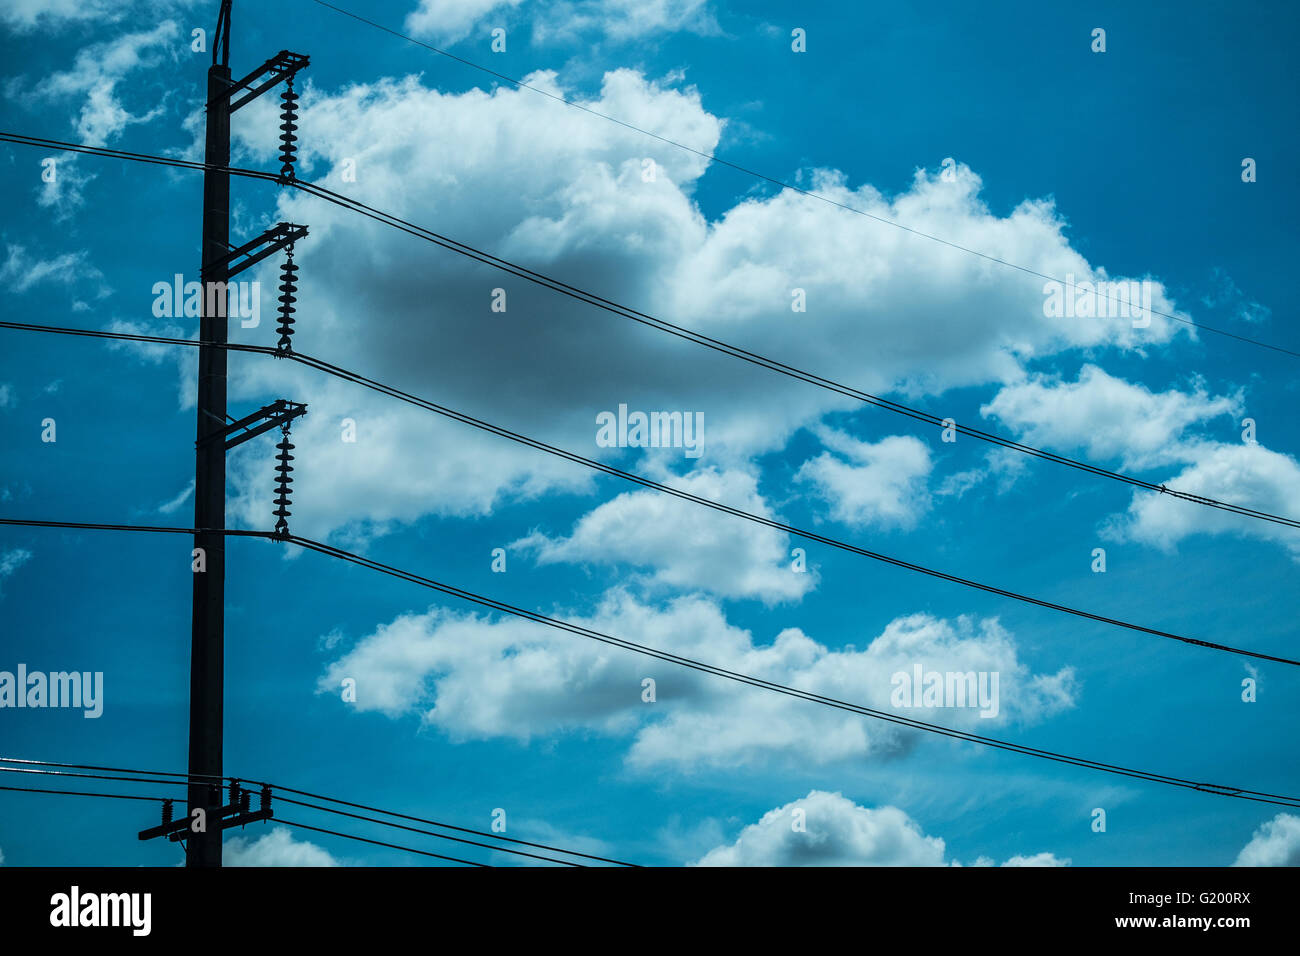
{"points": [[207, 654]]}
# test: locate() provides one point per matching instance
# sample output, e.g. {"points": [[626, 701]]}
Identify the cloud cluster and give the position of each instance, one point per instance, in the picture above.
{"points": [[1243, 474], [685, 546], [93, 80], [277, 848], [96, 73], [475, 678], [1107, 417], [448, 21], [1276, 843], [882, 484], [25, 16], [611, 210], [1163, 432], [11, 561], [20, 270], [827, 829]]}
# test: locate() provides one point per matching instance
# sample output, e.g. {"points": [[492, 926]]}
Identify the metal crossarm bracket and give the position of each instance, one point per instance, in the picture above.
{"points": [[165, 829], [236, 813], [270, 416], [281, 66], [276, 238]]}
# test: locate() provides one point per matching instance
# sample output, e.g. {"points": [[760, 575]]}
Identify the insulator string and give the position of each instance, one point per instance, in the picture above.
{"points": [[288, 296], [282, 483], [288, 130]]}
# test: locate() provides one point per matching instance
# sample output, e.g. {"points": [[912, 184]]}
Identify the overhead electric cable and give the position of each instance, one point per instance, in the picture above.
{"points": [[154, 529], [679, 331], [280, 790], [91, 776], [393, 846], [86, 793], [909, 722], [441, 836], [717, 506], [582, 631], [912, 723], [279, 795]]}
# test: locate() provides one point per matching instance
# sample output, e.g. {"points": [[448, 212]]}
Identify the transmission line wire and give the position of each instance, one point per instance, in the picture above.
{"points": [[278, 795], [708, 503], [312, 545], [693, 664], [289, 823], [441, 836], [86, 793], [582, 631], [615, 308], [91, 776], [393, 846]]}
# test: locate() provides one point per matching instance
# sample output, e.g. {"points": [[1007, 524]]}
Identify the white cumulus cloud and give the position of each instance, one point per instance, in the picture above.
{"points": [[477, 678], [1106, 416], [1242, 474], [562, 192], [1110, 418], [450, 20], [686, 546], [1276, 843], [881, 484], [277, 848], [828, 829]]}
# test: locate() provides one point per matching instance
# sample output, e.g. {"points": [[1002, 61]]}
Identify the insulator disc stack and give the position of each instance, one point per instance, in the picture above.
{"points": [[288, 296], [288, 129], [282, 483]]}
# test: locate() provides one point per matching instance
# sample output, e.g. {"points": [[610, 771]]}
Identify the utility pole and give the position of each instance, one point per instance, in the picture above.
{"points": [[207, 649], [220, 262]]}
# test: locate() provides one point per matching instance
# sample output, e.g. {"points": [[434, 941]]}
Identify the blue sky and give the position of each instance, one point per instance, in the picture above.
{"points": [[1123, 164]]}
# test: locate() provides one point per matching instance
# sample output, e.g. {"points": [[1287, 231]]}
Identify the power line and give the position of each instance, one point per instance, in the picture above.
{"points": [[909, 722], [786, 185], [441, 836], [771, 523], [725, 509], [131, 337], [181, 784], [289, 823], [325, 549], [280, 790], [24, 140], [642, 318], [496, 836], [86, 793], [1258, 796], [156, 529], [934, 728], [87, 766], [92, 776], [394, 846], [761, 361]]}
